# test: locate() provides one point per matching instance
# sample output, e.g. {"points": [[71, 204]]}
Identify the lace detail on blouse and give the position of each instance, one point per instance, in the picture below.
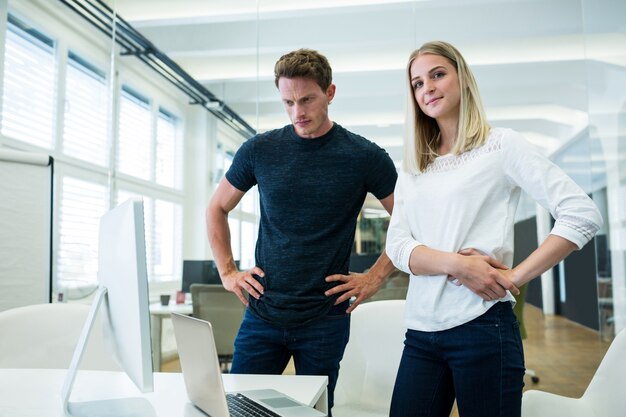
{"points": [[492, 144], [583, 226]]}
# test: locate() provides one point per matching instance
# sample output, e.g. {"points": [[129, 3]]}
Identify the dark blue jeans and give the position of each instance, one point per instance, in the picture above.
{"points": [[317, 348], [481, 363]]}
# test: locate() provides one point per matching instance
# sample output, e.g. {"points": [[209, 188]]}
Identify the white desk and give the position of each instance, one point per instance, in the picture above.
{"points": [[37, 392], [157, 313]]}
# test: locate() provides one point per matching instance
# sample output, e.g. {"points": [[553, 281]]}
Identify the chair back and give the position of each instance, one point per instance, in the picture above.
{"points": [[604, 396], [370, 362], [213, 303], [45, 336], [605, 392]]}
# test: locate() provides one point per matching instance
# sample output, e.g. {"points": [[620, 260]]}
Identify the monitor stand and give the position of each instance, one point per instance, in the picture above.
{"points": [[139, 407]]}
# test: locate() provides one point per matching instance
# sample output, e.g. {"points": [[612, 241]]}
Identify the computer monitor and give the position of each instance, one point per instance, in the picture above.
{"points": [[200, 272], [123, 293]]}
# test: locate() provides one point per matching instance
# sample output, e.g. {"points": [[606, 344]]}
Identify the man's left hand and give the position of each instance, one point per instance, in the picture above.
{"points": [[361, 286]]}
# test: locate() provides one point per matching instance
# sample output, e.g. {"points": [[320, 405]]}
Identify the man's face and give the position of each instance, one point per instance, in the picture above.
{"points": [[307, 105]]}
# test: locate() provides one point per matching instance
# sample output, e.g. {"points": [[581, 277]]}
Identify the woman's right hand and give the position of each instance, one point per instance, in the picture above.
{"points": [[482, 275]]}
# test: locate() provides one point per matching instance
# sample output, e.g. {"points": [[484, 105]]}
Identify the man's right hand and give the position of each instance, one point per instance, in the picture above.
{"points": [[238, 281]]}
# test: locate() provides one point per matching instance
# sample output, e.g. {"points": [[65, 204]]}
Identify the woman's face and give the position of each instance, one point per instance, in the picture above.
{"points": [[435, 86]]}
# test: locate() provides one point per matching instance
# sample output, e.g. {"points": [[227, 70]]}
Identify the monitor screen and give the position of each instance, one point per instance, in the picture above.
{"points": [[200, 272], [122, 271], [123, 296]]}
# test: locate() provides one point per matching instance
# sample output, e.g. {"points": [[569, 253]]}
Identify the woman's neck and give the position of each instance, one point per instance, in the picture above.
{"points": [[448, 133]]}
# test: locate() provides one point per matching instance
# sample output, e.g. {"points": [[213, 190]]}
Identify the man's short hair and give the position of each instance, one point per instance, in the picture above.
{"points": [[305, 63]]}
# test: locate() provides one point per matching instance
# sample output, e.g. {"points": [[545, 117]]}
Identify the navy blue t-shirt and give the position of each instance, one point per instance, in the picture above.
{"points": [[311, 192]]}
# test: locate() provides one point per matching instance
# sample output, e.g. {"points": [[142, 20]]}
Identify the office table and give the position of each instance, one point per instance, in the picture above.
{"points": [[37, 392], [157, 313]]}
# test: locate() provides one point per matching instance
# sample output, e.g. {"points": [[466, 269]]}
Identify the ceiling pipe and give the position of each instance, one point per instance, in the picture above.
{"points": [[134, 43]]}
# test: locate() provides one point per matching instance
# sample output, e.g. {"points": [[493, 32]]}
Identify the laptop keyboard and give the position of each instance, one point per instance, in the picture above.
{"points": [[241, 406]]}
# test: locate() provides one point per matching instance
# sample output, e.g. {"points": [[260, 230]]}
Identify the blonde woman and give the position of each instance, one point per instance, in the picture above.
{"points": [[458, 189]]}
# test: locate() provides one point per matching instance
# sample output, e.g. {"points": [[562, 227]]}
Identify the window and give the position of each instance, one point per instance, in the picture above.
{"points": [[29, 88], [146, 136], [168, 152], [243, 220], [163, 230], [134, 153], [249, 231], [250, 201], [235, 237], [167, 240], [85, 116], [82, 204]]}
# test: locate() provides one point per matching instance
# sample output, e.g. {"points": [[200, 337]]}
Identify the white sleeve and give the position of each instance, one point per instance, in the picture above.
{"points": [[400, 241], [577, 217]]}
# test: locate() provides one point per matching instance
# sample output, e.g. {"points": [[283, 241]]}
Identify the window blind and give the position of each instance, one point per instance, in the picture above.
{"points": [[134, 154], [163, 228], [29, 88], [82, 205], [85, 117], [168, 152]]}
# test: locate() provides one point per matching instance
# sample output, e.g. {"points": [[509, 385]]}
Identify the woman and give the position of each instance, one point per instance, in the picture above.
{"points": [[452, 225]]}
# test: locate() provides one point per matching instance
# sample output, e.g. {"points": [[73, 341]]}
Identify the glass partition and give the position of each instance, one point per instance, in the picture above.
{"points": [[605, 45]]}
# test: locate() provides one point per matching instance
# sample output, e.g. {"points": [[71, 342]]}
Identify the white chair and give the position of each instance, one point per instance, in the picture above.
{"points": [[604, 396], [45, 336], [370, 362]]}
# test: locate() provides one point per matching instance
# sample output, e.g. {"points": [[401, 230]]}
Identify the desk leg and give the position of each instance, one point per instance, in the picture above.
{"points": [[322, 402], [156, 341]]}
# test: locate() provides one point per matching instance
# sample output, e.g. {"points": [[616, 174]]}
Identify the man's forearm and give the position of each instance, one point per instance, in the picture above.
{"points": [[218, 233], [382, 268]]}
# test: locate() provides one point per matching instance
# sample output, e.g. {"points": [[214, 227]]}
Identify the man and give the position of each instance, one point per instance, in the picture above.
{"points": [[313, 176]]}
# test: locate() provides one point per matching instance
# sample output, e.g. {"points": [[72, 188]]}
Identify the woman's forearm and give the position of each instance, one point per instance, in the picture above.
{"points": [[552, 251]]}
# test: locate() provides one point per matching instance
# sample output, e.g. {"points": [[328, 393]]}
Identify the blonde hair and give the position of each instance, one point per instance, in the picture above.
{"points": [[422, 136]]}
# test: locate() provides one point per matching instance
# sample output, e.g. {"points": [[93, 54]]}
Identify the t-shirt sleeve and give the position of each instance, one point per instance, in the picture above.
{"points": [[241, 172], [381, 173]]}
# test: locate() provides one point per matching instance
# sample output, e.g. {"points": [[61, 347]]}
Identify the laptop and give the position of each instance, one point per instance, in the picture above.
{"points": [[203, 379]]}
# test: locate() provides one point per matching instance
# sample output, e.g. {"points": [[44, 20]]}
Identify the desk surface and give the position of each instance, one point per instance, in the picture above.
{"points": [[37, 392], [158, 309]]}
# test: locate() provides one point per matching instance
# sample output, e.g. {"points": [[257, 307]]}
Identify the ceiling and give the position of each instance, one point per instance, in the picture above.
{"points": [[528, 57]]}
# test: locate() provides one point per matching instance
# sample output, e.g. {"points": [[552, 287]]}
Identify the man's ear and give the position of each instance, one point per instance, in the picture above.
{"points": [[330, 92]]}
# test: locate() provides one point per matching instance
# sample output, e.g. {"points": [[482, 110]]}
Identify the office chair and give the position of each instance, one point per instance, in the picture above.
{"points": [[604, 397], [520, 300], [370, 362], [45, 336], [213, 303]]}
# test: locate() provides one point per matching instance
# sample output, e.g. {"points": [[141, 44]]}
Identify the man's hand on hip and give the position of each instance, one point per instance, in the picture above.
{"points": [[361, 286], [238, 281]]}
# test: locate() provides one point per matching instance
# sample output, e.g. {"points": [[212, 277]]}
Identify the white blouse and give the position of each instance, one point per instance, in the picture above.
{"points": [[469, 201]]}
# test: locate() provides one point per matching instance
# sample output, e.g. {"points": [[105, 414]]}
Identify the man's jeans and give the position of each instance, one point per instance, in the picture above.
{"points": [[317, 348], [481, 363]]}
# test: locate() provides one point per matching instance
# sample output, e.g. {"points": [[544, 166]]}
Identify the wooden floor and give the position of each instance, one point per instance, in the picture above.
{"points": [[563, 354]]}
